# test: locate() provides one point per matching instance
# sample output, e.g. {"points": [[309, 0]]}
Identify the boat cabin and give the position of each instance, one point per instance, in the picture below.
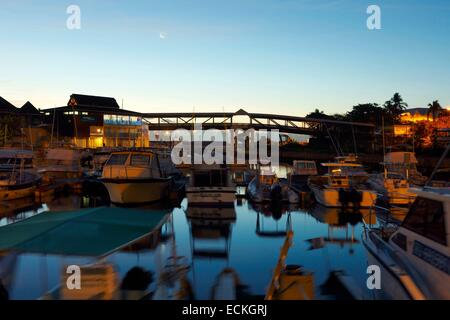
{"points": [[340, 175], [304, 168], [404, 163], [132, 165], [210, 176], [427, 223]]}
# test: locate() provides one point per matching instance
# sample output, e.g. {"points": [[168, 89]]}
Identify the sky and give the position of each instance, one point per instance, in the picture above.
{"points": [[271, 56]]}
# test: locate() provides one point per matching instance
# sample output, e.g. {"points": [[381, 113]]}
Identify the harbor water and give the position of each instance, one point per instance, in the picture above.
{"points": [[325, 241]]}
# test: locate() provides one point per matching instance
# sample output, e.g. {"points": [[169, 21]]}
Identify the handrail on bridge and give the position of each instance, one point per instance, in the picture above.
{"points": [[252, 116]]}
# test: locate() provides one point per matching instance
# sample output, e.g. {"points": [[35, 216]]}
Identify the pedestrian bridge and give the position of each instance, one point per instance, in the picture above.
{"points": [[245, 120]]}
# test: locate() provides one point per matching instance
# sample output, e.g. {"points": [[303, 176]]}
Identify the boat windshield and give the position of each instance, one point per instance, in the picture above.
{"points": [[210, 178], [426, 217], [140, 159], [117, 159]]}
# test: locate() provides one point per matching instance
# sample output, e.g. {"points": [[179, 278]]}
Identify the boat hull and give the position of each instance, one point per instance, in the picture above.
{"points": [[330, 197], [136, 191], [211, 196], [262, 193], [406, 275], [17, 193], [395, 196]]}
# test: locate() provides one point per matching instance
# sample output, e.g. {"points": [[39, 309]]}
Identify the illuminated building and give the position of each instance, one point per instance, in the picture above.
{"points": [[93, 122], [415, 115]]}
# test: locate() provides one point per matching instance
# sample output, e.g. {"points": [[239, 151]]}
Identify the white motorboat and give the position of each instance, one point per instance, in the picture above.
{"points": [[405, 165], [210, 185], [266, 187], [415, 256], [393, 186], [301, 171], [136, 177], [343, 186]]}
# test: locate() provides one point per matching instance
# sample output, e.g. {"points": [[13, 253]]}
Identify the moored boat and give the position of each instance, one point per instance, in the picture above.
{"points": [[17, 177], [394, 187], [210, 185], [16, 184], [266, 187], [343, 186], [415, 255], [301, 171], [136, 177], [405, 165], [61, 163]]}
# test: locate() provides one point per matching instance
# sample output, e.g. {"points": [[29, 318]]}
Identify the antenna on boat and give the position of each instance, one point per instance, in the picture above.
{"points": [[354, 141], [332, 141]]}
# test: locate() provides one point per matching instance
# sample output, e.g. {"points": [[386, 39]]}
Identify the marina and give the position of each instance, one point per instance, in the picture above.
{"points": [[224, 156], [235, 248], [142, 226]]}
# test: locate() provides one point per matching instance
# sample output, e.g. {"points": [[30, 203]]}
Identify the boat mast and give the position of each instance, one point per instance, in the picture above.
{"points": [[384, 147], [53, 127]]}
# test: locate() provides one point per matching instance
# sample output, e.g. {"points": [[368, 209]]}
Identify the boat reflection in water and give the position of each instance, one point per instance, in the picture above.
{"points": [[206, 253], [275, 212], [339, 219], [90, 239], [210, 240]]}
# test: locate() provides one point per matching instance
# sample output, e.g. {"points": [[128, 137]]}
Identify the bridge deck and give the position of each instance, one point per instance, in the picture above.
{"points": [[244, 120]]}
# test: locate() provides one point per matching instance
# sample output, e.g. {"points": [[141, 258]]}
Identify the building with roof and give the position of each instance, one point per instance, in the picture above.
{"points": [[94, 121], [6, 107], [20, 126], [415, 115]]}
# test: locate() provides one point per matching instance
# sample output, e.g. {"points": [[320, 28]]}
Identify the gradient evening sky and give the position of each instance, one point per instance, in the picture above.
{"points": [[274, 56]]}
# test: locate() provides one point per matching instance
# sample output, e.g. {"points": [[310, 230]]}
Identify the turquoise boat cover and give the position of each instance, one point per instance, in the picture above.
{"points": [[94, 232]]}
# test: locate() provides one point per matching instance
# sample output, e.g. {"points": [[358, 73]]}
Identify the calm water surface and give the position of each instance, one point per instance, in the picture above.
{"points": [[243, 244]]}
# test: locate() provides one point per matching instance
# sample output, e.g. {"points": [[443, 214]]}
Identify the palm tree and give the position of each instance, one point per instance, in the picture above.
{"points": [[434, 109], [395, 106]]}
